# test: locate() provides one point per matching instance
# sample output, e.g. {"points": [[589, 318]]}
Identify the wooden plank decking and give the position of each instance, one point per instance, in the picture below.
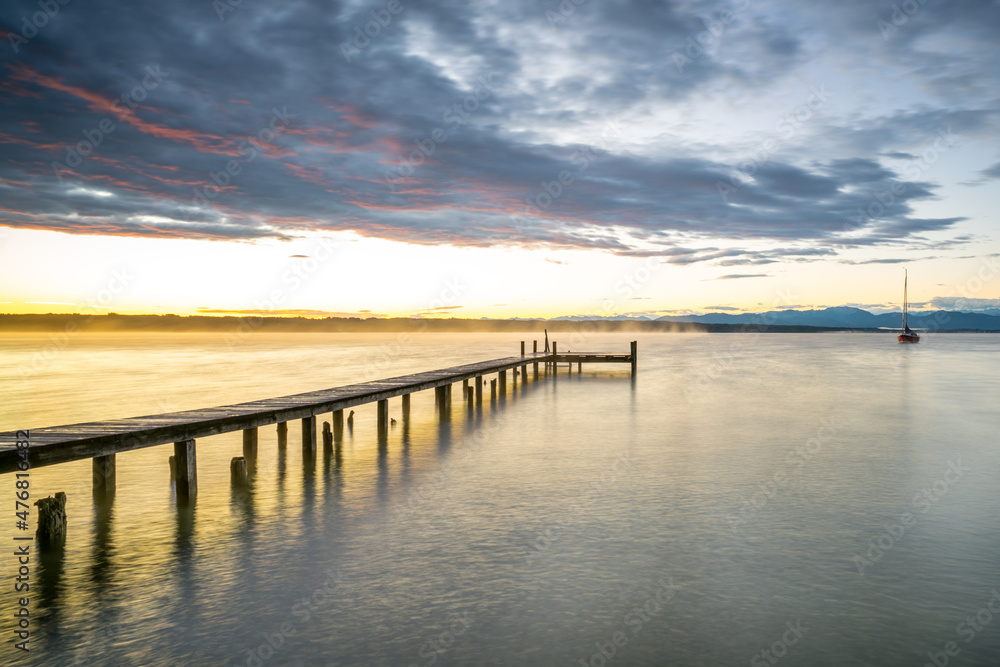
{"points": [[59, 444]]}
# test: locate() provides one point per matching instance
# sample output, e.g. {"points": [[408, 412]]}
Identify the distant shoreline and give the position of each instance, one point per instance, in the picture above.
{"points": [[50, 323]]}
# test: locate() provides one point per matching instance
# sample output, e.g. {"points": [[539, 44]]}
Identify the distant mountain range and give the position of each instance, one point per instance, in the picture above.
{"points": [[845, 316]]}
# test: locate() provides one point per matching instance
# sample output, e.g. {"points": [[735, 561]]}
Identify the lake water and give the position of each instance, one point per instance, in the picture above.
{"points": [[831, 499]]}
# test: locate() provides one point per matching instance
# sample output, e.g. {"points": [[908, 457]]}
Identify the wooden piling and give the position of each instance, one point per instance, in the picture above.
{"points": [[524, 373], [309, 438], [51, 517], [579, 366], [406, 407], [338, 425], [465, 387], [186, 470], [502, 377], [282, 435], [327, 438], [250, 444], [470, 396], [172, 464], [479, 390], [493, 390], [382, 411], [103, 472], [238, 475], [634, 345], [522, 348]]}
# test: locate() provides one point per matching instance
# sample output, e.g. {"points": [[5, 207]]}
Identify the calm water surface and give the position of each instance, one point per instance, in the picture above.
{"points": [[831, 499]]}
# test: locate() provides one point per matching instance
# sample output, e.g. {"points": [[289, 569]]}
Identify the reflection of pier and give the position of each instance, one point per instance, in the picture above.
{"points": [[102, 441]]}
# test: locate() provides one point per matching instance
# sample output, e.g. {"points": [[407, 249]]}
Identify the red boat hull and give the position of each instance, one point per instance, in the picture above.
{"points": [[909, 338]]}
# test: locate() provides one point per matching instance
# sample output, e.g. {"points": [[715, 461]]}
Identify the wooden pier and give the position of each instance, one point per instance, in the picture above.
{"points": [[102, 441]]}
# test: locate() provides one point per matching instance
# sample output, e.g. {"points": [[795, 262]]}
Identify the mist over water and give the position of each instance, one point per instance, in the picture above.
{"points": [[828, 498]]}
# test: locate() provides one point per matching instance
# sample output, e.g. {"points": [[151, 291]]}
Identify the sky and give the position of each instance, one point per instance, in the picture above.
{"points": [[497, 159]]}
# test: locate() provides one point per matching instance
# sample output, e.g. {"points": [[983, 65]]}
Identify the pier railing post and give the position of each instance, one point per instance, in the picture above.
{"points": [[104, 476], [185, 470], [522, 348]]}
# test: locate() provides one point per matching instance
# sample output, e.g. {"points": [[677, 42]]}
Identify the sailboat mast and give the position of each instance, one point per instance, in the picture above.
{"points": [[904, 299]]}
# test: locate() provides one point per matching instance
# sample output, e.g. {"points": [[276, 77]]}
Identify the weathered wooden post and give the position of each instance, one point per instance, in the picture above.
{"points": [[554, 363], [406, 407], [535, 350], [309, 438], [250, 444], [382, 412], [442, 397], [238, 473], [338, 425], [282, 435], [186, 470], [579, 367], [172, 464], [522, 348], [327, 438], [479, 389], [465, 388], [470, 396], [502, 376], [103, 473], [51, 517], [634, 345], [493, 390]]}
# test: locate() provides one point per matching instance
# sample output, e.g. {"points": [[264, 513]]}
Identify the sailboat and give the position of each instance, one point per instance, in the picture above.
{"points": [[907, 335]]}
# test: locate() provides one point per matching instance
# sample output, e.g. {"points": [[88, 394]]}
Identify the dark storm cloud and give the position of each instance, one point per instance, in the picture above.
{"points": [[436, 126]]}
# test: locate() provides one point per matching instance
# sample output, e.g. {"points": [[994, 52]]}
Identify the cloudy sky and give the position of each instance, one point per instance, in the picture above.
{"points": [[499, 159]]}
